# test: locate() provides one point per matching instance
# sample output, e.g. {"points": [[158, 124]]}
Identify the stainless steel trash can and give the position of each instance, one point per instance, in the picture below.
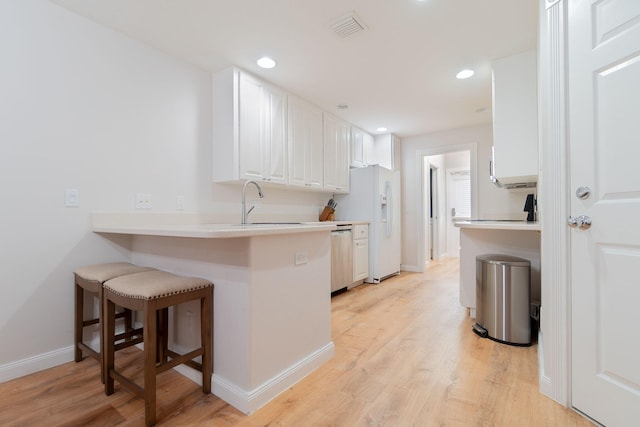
{"points": [[503, 291]]}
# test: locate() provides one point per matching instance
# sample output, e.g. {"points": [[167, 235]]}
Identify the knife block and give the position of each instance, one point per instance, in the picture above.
{"points": [[327, 214]]}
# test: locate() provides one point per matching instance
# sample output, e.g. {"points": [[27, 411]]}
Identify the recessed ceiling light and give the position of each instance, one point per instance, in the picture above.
{"points": [[266, 62], [464, 74], [382, 129]]}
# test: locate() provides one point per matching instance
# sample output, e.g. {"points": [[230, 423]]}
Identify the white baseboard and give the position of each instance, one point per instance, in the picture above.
{"points": [[37, 363], [250, 401], [411, 268], [545, 383]]}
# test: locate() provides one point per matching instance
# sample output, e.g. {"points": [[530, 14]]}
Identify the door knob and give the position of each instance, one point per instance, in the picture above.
{"points": [[583, 222]]}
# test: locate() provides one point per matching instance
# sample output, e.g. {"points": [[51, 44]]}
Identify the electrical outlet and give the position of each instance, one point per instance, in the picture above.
{"points": [[71, 197], [143, 201], [189, 316], [301, 258], [180, 203]]}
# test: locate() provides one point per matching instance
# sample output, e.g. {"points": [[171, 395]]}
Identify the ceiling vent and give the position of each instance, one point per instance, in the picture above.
{"points": [[348, 25]]}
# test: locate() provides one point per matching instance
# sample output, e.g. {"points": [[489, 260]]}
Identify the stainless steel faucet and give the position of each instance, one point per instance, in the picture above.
{"points": [[246, 213]]}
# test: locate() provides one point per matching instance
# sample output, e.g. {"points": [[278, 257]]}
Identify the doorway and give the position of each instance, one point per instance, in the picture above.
{"points": [[447, 196]]}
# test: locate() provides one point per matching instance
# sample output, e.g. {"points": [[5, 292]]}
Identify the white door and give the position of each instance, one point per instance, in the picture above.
{"points": [[458, 206], [604, 129]]}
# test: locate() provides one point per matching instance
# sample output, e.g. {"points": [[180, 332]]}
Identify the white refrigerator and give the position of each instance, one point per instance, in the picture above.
{"points": [[374, 196]]}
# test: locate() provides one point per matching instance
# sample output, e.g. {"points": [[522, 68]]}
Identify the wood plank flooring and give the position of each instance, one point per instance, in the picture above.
{"points": [[405, 356]]}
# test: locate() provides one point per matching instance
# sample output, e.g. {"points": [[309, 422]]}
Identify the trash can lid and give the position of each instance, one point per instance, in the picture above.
{"points": [[503, 260]]}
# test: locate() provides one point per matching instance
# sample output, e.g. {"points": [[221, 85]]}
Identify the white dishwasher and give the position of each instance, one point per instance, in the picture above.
{"points": [[341, 257]]}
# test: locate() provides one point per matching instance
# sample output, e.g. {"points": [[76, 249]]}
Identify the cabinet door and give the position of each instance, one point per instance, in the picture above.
{"points": [[515, 117], [360, 259], [305, 144], [274, 103], [314, 148], [336, 154], [357, 147], [250, 131]]}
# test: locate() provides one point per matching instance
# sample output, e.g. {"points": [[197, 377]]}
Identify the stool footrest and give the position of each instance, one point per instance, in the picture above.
{"points": [[90, 322], [127, 383], [177, 359], [91, 352], [129, 334], [127, 343]]}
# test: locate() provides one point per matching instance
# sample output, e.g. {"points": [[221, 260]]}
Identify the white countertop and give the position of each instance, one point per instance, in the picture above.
{"points": [[215, 231], [499, 225], [193, 226]]}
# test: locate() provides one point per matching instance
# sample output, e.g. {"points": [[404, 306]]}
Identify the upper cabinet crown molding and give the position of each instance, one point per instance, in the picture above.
{"points": [[515, 119]]}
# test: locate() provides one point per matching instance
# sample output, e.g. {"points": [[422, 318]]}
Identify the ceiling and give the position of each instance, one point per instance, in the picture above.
{"points": [[398, 73]]}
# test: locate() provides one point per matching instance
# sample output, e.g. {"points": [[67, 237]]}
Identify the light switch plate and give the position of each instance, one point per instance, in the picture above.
{"points": [[71, 197]]}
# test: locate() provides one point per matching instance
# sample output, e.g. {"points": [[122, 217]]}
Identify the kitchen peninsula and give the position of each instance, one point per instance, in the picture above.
{"points": [[517, 238], [272, 304]]}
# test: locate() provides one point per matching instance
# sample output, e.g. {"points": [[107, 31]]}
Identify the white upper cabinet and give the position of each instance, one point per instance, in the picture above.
{"points": [[305, 144], [336, 137], [361, 141], [249, 129], [515, 119]]}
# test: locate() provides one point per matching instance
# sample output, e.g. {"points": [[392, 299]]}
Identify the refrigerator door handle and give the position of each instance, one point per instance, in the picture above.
{"points": [[389, 194]]}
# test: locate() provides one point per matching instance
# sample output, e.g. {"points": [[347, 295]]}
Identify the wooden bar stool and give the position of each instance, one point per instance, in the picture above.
{"points": [[153, 293], [92, 278]]}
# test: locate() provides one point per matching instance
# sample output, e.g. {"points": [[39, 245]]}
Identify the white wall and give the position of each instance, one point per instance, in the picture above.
{"points": [[88, 108], [492, 202]]}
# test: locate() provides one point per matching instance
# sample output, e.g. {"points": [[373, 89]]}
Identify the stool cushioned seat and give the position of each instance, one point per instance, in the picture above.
{"points": [[153, 292], [92, 278], [100, 273], [154, 284]]}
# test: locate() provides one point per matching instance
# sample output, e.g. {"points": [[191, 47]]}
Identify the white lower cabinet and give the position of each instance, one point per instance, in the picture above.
{"points": [[360, 253]]}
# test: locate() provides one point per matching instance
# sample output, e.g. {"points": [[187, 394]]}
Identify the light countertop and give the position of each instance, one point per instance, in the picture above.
{"points": [[499, 225], [197, 226]]}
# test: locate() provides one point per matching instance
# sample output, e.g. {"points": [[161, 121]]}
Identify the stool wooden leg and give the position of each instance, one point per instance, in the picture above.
{"points": [[206, 337], [78, 319], [108, 333], [102, 336], [128, 321], [163, 335], [150, 335]]}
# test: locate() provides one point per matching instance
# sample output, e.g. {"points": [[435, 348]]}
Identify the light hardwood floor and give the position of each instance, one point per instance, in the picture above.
{"points": [[405, 356]]}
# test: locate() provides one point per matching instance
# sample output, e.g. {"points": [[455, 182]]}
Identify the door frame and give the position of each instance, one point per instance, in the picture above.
{"points": [[434, 196], [472, 147], [554, 348]]}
